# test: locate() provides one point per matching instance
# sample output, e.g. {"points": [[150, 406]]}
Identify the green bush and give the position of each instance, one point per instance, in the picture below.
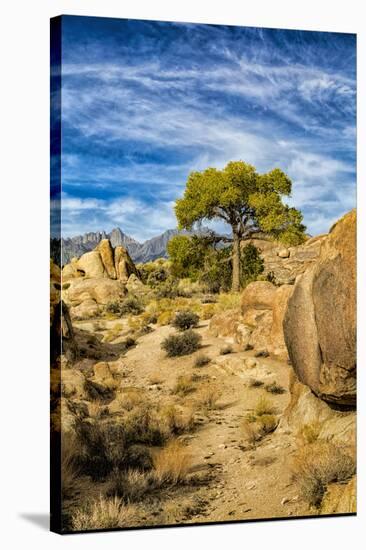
{"points": [[181, 344], [131, 305], [185, 320]]}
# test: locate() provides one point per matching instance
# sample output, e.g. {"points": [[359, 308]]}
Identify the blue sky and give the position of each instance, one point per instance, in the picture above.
{"points": [[144, 103]]}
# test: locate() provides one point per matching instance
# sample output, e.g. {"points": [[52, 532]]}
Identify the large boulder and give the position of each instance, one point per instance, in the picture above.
{"points": [[91, 265], [320, 321], [124, 264], [88, 294], [107, 257]]}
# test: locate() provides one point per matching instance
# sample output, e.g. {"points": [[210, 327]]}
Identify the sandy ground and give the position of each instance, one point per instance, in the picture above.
{"points": [[245, 483]]}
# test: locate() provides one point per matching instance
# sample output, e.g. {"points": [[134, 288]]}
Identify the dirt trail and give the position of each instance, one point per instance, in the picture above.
{"points": [[247, 484]]}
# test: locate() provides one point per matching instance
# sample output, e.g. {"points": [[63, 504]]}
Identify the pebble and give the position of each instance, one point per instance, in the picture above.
{"points": [[222, 446], [251, 486]]}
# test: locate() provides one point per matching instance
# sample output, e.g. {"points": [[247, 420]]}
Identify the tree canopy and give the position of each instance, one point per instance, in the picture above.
{"points": [[249, 202]]}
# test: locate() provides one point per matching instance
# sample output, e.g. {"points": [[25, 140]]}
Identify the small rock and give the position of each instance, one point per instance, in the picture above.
{"points": [[250, 362], [284, 501], [247, 510], [251, 486], [222, 446], [283, 253]]}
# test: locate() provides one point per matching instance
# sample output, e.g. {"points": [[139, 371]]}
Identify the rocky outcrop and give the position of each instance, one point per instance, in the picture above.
{"points": [[285, 264], [320, 321], [86, 297], [97, 279], [259, 321], [102, 262]]}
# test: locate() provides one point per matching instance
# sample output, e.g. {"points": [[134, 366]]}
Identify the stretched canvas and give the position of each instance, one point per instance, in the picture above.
{"points": [[203, 274]]}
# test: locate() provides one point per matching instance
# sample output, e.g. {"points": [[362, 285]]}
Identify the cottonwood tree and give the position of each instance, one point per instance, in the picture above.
{"points": [[249, 202]]}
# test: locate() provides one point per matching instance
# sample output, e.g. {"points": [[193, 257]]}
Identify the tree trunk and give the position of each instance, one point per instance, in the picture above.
{"points": [[235, 287]]}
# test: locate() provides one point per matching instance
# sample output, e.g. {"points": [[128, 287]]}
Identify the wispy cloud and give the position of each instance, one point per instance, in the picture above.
{"points": [[144, 104]]}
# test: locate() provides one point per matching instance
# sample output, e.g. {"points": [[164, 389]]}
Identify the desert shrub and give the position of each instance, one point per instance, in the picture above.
{"points": [[225, 350], [255, 383], [103, 513], [267, 423], [138, 457], [172, 464], [202, 360], [252, 265], [319, 463], [181, 344], [263, 407], [100, 447], [114, 307], [185, 320], [144, 425], [275, 388], [168, 289], [131, 305], [183, 385]]}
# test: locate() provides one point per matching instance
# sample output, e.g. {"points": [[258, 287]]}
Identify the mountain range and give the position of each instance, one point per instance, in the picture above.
{"points": [[140, 252]]}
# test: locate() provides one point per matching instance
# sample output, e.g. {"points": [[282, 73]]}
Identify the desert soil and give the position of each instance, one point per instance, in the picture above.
{"points": [[245, 483]]}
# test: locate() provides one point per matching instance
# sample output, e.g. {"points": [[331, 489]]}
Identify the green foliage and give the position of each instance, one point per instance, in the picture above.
{"points": [[249, 202], [185, 320], [187, 256], [181, 344], [252, 265]]}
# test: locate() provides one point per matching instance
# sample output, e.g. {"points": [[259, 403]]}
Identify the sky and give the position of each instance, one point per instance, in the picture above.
{"points": [[144, 103]]}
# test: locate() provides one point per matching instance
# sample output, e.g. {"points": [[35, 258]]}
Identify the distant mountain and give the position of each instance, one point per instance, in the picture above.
{"points": [[74, 247]]}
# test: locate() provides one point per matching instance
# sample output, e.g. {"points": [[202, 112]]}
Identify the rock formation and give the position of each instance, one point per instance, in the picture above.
{"points": [[96, 279], [320, 321], [285, 264], [259, 322]]}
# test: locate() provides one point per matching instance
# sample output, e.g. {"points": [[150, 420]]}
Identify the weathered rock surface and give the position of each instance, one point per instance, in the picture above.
{"points": [[320, 321], [96, 279], [305, 409], [85, 296], [285, 264], [259, 322], [340, 498], [102, 262]]}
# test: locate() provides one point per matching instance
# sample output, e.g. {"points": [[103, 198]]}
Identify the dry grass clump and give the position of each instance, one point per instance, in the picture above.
{"points": [[254, 428], [202, 360], [69, 472], [207, 311], [172, 464], [319, 463], [184, 385], [179, 419], [130, 397], [263, 407], [225, 350], [181, 344], [103, 513], [275, 388], [96, 408], [229, 300], [309, 432], [208, 396], [130, 485]]}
